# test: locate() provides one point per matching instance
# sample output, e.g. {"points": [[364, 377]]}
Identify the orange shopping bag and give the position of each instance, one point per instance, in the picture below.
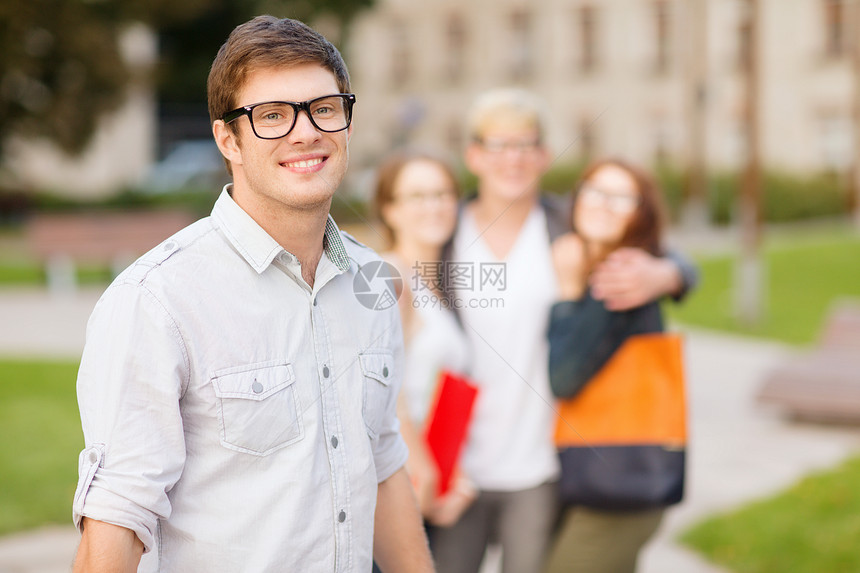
{"points": [[622, 439]]}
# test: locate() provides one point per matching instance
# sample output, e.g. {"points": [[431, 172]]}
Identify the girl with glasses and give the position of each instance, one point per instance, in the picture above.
{"points": [[417, 200], [617, 213]]}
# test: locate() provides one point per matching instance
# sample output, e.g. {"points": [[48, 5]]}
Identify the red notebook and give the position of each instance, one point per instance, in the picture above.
{"points": [[449, 424]]}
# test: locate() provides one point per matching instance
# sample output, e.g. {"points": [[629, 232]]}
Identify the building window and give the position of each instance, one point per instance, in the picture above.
{"points": [[401, 65], [455, 40], [662, 37], [835, 45], [835, 141], [454, 135], [411, 113], [744, 53], [587, 138], [662, 141], [521, 46], [587, 24], [736, 145]]}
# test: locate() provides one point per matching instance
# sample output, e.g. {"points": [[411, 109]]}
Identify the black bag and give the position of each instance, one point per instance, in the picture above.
{"points": [[622, 477]]}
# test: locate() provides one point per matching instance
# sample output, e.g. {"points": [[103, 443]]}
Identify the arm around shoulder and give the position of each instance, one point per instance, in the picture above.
{"points": [[686, 272], [631, 277]]}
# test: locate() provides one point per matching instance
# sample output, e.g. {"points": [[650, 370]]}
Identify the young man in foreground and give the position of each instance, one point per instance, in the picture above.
{"points": [[237, 401]]}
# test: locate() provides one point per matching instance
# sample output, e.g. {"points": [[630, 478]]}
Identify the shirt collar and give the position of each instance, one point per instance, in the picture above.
{"points": [[333, 245], [256, 246]]}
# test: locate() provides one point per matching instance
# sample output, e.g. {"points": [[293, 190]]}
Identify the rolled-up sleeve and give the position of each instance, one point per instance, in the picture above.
{"points": [[132, 374], [389, 449]]}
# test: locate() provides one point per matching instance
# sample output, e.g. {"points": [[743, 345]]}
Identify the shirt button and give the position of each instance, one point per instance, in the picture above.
{"points": [[315, 301], [325, 372], [385, 371], [257, 387], [94, 457], [334, 441], [342, 517]]}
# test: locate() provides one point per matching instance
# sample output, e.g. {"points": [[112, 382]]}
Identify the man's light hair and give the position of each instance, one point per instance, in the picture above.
{"points": [[513, 108]]}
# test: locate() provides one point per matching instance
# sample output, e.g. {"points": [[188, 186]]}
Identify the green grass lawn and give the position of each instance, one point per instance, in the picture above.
{"points": [[815, 525], [30, 273], [804, 277], [812, 527], [21, 273], [40, 438]]}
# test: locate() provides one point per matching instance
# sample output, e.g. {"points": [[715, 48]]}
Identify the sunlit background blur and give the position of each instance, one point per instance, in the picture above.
{"points": [[748, 111], [665, 83]]}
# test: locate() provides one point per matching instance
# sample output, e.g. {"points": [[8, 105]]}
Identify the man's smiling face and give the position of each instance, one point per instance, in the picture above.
{"points": [[299, 171]]}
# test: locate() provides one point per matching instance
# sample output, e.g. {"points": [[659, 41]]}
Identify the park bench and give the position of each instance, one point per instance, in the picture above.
{"points": [[63, 241], [822, 384]]}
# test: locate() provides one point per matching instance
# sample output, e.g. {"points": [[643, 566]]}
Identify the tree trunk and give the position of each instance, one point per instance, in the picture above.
{"points": [[695, 211], [750, 278]]}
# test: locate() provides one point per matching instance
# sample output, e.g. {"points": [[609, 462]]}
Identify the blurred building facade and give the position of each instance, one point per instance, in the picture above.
{"points": [[651, 80], [628, 77]]}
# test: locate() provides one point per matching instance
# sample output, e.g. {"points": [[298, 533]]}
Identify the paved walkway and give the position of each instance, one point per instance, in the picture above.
{"points": [[738, 451], [39, 323]]}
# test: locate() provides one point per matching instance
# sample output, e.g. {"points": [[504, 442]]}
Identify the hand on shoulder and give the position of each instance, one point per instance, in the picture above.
{"points": [[631, 277]]}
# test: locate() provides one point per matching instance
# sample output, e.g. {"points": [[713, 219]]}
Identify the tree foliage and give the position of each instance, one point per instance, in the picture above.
{"points": [[187, 47], [61, 65]]}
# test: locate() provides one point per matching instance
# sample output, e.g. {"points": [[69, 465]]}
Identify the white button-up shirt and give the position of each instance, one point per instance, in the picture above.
{"points": [[236, 419]]}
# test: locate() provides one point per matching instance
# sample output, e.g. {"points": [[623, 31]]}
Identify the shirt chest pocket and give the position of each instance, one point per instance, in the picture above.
{"points": [[258, 407], [379, 399]]}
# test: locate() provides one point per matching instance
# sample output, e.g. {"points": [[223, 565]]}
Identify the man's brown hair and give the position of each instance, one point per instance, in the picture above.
{"points": [[267, 42]]}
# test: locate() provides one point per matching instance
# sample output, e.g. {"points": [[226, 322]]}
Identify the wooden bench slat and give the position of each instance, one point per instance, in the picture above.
{"points": [[102, 237], [823, 384]]}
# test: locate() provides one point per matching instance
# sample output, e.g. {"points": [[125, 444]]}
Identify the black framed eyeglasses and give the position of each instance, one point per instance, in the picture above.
{"points": [[275, 119]]}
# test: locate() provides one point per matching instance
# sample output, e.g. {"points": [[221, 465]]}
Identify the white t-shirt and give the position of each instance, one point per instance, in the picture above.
{"points": [[510, 444], [437, 344]]}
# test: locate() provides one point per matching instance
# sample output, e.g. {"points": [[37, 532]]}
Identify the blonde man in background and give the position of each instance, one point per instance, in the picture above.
{"points": [[502, 244]]}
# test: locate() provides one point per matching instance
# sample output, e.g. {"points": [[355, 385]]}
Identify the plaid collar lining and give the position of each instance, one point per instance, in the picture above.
{"points": [[333, 245]]}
